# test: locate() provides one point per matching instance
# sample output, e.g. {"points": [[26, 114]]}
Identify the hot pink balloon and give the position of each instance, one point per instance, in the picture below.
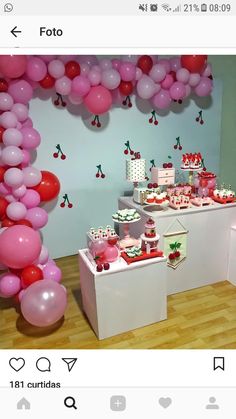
{"points": [[31, 138], [20, 246], [63, 85], [145, 87], [36, 69], [21, 91], [110, 79], [28, 123], [16, 211], [12, 155], [158, 73], [177, 90], [99, 100], [127, 71], [183, 75], [21, 111], [13, 177], [44, 303], [81, 85], [56, 69], [12, 136], [162, 100], [31, 198], [204, 88], [8, 120], [31, 176], [52, 272], [26, 158], [167, 82], [9, 285], [6, 102], [37, 216], [13, 66]]}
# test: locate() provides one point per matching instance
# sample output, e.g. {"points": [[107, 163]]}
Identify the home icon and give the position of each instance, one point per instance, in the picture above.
{"points": [[23, 404]]}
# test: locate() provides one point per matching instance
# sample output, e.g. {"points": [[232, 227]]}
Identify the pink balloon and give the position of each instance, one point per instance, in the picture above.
{"points": [[166, 64], [127, 71], [94, 77], [13, 177], [167, 82], [21, 91], [116, 64], [63, 85], [84, 69], [37, 216], [146, 87], [20, 246], [6, 102], [31, 138], [12, 136], [204, 88], [56, 69], [111, 253], [28, 123], [4, 189], [10, 198], [8, 120], [175, 64], [20, 295], [183, 75], [12, 155], [194, 79], [90, 60], [36, 69], [19, 192], [21, 111], [98, 247], [188, 90], [177, 90], [43, 303], [16, 211], [9, 285], [105, 64], [30, 199], [26, 158], [162, 100], [158, 73], [207, 70], [13, 66], [80, 85], [99, 100], [75, 99], [47, 58], [110, 79], [44, 256], [138, 73], [52, 272], [31, 176]]}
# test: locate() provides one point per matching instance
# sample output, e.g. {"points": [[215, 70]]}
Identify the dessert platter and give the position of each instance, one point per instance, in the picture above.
{"points": [[224, 195]]}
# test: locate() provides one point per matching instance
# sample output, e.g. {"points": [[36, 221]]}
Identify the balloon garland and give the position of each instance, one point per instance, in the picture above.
{"points": [[31, 277]]}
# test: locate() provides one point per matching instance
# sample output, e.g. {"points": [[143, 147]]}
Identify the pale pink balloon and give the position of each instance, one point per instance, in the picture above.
{"points": [[183, 75], [207, 70], [138, 73], [167, 82], [56, 69], [30, 199], [4, 189], [9, 285], [31, 138], [6, 101], [146, 87], [81, 85], [8, 120], [158, 73], [188, 90], [52, 272], [36, 68], [12, 155], [127, 71], [19, 192], [162, 100], [10, 198], [43, 303], [21, 91], [177, 90], [175, 63], [47, 58], [166, 64], [63, 86], [37, 216], [21, 111], [116, 63], [90, 60], [12, 136], [20, 295], [13, 177], [94, 77], [75, 99], [204, 88], [110, 79], [44, 256], [105, 64], [31, 176], [16, 211], [84, 69], [194, 79]]}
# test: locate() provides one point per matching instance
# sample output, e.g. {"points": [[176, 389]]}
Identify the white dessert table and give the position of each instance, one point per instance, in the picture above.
{"points": [[208, 242], [125, 297], [232, 256]]}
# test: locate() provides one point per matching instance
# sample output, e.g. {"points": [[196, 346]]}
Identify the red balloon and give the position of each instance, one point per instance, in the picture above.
{"points": [[3, 207], [24, 223], [31, 274], [194, 63], [145, 62], [2, 171], [49, 187], [3, 85], [126, 88], [1, 132], [47, 82], [6, 222], [72, 69]]}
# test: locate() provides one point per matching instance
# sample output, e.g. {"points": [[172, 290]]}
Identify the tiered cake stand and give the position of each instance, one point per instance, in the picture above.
{"points": [[128, 241]]}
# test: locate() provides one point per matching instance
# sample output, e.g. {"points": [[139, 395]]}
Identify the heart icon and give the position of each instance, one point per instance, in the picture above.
{"points": [[17, 363], [165, 402]]}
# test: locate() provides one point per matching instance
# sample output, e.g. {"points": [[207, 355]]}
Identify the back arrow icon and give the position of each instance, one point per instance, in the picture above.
{"points": [[14, 31]]}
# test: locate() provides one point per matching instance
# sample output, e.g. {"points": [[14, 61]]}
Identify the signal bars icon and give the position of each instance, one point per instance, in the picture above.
{"points": [[177, 9]]}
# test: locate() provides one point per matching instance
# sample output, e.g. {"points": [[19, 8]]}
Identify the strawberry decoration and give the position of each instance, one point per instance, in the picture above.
{"points": [[153, 119], [66, 199], [96, 122], [175, 254], [128, 149], [127, 102], [59, 101], [178, 146], [100, 173], [199, 118], [152, 164], [59, 152]]}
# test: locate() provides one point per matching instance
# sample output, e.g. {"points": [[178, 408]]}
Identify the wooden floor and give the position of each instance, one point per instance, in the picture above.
{"points": [[202, 318]]}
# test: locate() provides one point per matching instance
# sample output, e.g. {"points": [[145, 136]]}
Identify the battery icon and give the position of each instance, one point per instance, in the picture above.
{"points": [[204, 7]]}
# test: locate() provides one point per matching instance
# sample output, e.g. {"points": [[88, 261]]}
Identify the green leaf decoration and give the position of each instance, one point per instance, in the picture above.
{"points": [[172, 246], [178, 245]]}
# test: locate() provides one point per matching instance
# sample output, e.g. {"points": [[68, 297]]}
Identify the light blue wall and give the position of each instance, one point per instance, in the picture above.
{"points": [[94, 199]]}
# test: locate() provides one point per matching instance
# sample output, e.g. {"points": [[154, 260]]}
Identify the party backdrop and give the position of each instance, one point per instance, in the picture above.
{"points": [[90, 162]]}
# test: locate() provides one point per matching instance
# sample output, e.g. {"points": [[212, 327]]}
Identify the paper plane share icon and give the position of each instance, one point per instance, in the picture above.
{"points": [[70, 362]]}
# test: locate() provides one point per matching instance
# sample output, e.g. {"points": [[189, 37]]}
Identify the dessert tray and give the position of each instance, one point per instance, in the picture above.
{"points": [[202, 202], [224, 200]]}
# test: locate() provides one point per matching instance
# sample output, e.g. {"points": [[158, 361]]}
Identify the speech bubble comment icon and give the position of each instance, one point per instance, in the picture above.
{"points": [[43, 364]]}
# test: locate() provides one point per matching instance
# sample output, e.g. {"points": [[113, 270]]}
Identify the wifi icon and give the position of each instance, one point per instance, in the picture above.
{"points": [[166, 7]]}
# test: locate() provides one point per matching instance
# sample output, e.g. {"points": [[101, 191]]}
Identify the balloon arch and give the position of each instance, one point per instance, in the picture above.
{"points": [[29, 273]]}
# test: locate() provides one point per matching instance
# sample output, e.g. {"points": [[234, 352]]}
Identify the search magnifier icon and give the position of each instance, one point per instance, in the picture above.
{"points": [[70, 402]]}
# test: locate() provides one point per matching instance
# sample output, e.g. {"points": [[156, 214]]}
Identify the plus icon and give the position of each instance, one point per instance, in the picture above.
{"points": [[118, 403]]}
